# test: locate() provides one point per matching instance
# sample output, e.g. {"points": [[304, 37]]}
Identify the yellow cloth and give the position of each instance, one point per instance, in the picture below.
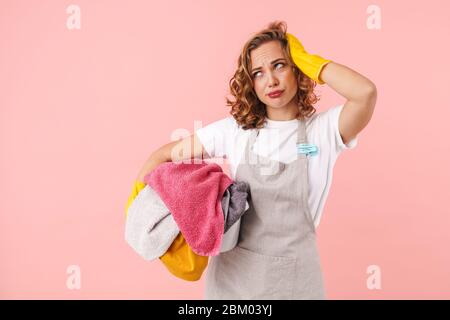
{"points": [[179, 259], [182, 262], [310, 65]]}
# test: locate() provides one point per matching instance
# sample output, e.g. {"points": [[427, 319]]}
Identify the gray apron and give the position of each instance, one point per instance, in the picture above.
{"points": [[276, 254]]}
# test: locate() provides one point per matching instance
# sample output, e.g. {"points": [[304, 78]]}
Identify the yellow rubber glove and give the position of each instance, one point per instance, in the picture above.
{"points": [[179, 259], [309, 64], [137, 187]]}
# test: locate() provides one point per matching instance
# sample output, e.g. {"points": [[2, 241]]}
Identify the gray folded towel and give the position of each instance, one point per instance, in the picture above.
{"points": [[234, 203]]}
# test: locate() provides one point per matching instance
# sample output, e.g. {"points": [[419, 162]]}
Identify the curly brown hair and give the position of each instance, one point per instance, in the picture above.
{"points": [[248, 111]]}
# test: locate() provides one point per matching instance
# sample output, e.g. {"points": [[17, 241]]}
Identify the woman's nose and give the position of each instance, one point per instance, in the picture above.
{"points": [[272, 81]]}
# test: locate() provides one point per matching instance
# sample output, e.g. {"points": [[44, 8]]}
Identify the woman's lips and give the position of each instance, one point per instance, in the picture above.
{"points": [[276, 94]]}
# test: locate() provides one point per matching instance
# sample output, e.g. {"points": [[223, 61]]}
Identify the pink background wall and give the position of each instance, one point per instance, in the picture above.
{"points": [[82, 109]]}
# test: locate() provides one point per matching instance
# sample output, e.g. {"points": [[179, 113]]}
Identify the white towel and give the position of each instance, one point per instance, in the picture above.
{"points": [[150, 228]]}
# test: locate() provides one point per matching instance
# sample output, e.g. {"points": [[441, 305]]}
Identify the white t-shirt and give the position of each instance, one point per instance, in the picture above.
{"points": [[277, 140]]}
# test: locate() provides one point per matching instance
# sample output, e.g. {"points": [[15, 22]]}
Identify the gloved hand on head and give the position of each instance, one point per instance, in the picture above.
{"points": [[310, 65]]}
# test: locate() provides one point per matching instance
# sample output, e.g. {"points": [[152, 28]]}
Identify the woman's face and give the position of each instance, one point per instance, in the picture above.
{"points": [[271, 72]]}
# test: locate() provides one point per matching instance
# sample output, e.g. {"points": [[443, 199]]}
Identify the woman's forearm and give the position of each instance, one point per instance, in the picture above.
{"points": [[163, 154], [361, 94], [187, 148], [152, 162], [347, 82]]}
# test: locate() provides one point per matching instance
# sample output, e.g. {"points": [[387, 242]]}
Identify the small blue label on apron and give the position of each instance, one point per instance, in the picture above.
{"points": [[308, 149]]}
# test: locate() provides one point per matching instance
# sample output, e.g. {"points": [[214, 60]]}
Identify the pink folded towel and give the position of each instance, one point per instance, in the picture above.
{"points": [[193, 192]]}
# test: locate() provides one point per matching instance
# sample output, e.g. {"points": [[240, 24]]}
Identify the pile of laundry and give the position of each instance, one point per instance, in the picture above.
{"points": [[184, 213]]}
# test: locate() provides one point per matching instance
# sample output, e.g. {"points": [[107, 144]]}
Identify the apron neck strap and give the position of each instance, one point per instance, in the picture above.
{"points": [[301, 131]]}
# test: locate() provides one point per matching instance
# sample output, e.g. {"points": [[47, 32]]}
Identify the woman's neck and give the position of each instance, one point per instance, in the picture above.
{"points": [[286, 113]]}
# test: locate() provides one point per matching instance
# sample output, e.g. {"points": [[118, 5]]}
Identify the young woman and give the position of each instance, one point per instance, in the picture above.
{"points": [[275, 142]]}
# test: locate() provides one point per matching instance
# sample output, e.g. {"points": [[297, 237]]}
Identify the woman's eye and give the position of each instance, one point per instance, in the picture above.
{"points": [[254, 75]]}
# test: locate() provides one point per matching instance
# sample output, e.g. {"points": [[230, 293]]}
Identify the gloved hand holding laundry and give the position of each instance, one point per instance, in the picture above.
{"points": [[184, 214]]}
